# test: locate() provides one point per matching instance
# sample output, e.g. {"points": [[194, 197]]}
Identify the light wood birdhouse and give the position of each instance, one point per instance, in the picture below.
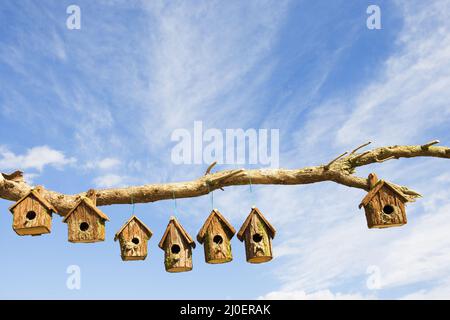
{"points": [[215, 235], [86, 223], [133, 238], [32, 214], [257, 233], [384, 204], [177, 245]]}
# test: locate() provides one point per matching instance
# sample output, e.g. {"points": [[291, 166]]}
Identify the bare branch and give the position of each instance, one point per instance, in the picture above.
{"points": [[360, 147], [429, 144], [339, 170], [208, 171], [328, 165], [386, 159]]}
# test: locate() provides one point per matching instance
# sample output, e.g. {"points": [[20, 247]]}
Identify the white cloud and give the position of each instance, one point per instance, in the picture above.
{"points": [[104, 164], [35, 158], [318, 295], [330, 245], [110, 180], [410, 95]]}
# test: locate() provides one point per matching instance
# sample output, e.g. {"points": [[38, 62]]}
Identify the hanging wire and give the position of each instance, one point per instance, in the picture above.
{"points": [[132, 203], [252, 195], [175, 203], [212, 196]]}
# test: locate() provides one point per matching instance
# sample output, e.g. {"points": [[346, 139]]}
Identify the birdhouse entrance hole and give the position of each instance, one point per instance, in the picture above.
{"points": [[257, 237], [175, 249], [388, 209], [217, 239], [135, 240], [84, 226], [31, 215]]}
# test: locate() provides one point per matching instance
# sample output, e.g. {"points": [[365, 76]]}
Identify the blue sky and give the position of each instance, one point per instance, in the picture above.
{"points": [[96, 107]]}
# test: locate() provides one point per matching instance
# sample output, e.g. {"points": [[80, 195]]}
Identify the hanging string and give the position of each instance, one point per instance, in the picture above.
{"points": [[132, 203], [212, 196], [175, 209], [252, 195]]}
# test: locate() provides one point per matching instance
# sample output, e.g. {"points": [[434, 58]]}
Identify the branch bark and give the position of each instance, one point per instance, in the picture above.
{"points": [[340, 170]]}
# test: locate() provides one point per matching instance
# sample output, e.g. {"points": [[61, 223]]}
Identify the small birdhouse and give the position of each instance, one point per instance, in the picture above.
{"points": [[86, 223], [133, 238], [258, 234], [177, 245], [32, 214], [384, 205], [215, 235]]}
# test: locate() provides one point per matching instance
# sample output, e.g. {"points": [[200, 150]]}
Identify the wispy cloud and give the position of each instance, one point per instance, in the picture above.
{"points": [[34, 158], [407, 99]]}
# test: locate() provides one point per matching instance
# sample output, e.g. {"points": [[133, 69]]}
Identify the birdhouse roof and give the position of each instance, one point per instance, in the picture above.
{"points": [[255, 211], [34, 193], [214, 213], [174, 224], [380, 184], [143, 226], [90, 205]]}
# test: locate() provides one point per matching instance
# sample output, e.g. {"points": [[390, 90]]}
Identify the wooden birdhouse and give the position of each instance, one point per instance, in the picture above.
{"points": [[86, 223], [215, 235], [258, 234], [32, 214], [384, 204], [133, 238], [177, 245]]}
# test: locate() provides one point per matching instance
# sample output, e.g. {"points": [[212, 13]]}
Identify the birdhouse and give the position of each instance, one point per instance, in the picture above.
{"points": [[215, 235], [257, 233], [177, 245], [86, 223], [133, 238], [32, 214], [384, 204]]}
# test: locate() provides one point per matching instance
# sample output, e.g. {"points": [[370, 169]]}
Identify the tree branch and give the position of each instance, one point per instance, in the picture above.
{"points": [[339, 170]]}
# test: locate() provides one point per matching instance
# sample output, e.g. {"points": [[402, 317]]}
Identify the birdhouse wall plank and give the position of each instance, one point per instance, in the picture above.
{"points": [[177, 261], [129, 249], [217, 250], [41, 223], [258, 244], [96, 226], [376, 210]]}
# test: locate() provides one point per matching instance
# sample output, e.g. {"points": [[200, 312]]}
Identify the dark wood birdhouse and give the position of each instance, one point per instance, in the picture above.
{"points": [[258, 234], [32, 214], [215, 235], [86, 223], [133, 238], [384, 204], [177, 245]]}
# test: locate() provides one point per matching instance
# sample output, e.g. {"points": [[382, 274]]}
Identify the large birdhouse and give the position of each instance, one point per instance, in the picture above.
{"points": [[257, 233], [384, 204], [133, 238], [215, 235], [32, 214], [86, 223], [177, 245]]}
